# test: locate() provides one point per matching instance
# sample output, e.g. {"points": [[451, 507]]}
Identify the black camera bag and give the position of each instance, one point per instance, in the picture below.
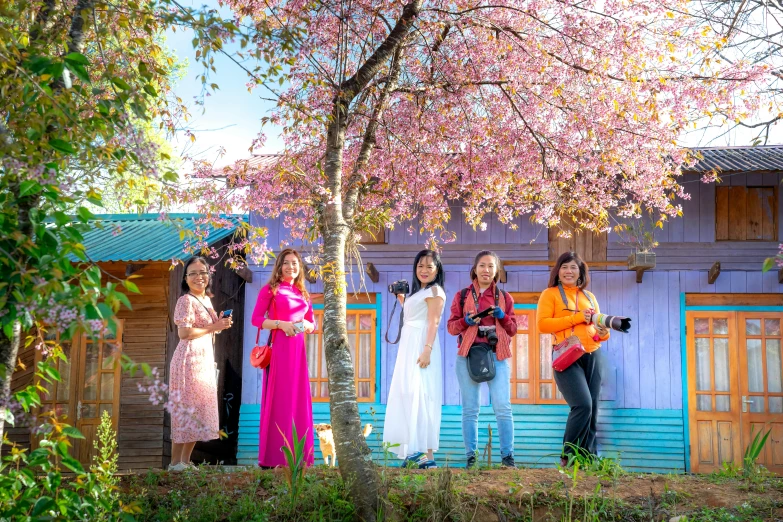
{"points": [[481, 365]]}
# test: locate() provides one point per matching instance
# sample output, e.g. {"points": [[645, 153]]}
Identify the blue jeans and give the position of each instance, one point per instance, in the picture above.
{"points": [[500, 396]]}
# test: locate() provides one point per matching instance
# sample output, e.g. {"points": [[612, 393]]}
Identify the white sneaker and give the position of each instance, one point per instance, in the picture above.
{"points": [[179, 466]]}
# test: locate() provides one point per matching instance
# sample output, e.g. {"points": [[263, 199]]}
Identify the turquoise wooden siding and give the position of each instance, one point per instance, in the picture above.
{"points": [[643, 439]]}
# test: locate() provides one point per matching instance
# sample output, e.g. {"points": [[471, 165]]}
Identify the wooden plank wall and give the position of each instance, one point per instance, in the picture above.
{"points": [[140, 430]]}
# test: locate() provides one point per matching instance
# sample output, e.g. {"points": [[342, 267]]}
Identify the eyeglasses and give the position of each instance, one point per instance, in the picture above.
{"points": [[198, 274]]}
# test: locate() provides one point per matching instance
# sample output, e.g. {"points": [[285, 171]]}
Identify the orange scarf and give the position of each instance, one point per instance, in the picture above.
{"points": [[503, 348]]}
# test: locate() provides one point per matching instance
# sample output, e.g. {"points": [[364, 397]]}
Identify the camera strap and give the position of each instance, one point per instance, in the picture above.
{"points": [[475, 300], [399, 327]]}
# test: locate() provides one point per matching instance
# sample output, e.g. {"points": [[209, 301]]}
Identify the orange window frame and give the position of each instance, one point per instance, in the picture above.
{"points": [[527, 372]]}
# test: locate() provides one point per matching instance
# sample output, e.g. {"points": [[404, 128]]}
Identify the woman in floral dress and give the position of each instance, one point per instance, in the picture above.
{"points": [[192, 380]]}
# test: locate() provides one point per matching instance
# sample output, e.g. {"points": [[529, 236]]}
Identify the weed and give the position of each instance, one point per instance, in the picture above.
{"points": [[750, 458], [295, 458]]}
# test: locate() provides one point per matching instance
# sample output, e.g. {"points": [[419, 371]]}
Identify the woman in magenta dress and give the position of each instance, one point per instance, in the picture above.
{"points": [[284, 307]]}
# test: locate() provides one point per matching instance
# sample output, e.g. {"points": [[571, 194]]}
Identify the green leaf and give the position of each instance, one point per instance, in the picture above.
{"points": [[79, 71], [119, 82], [42, 505], [769, 264], [29, 187], [77, 58], [72, 464], [8, 417], [105, 311], [72, 432], [85, 214], [131, 286], [62, 146], [149, 89], [124, 300]]}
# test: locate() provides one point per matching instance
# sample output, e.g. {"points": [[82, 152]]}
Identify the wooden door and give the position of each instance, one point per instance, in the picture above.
{"points": [[713, 390], [761, 383], [98, 388], [89, 384]]}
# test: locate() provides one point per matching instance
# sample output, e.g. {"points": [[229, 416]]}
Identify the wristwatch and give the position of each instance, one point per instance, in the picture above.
{"points": [[277, 323]]}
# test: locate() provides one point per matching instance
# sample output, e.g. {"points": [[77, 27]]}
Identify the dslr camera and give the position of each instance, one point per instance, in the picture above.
{"points": [[490, 333], [399, 287]]}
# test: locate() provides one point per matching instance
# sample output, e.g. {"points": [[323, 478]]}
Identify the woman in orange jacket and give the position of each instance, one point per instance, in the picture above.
{"points": [[565, 309]]}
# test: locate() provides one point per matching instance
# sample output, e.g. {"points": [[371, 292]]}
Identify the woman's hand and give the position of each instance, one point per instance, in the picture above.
{"points": [[424, 358], [587, 315], [602, 330], [223, 323], [401, 298], [308, 326], [288, 328]]}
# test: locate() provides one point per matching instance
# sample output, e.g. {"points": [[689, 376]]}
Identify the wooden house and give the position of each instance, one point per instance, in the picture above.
{"points": [[92, 381], [683, 391]]}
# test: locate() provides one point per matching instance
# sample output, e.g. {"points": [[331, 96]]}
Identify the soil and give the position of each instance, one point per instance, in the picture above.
{"points": [[501, 494]]}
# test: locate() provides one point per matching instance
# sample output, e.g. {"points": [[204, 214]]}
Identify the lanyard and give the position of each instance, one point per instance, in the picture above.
{"points": [[476, 299]]}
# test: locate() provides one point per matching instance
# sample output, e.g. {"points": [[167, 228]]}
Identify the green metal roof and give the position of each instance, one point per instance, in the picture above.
{"points": [[144, 237]]}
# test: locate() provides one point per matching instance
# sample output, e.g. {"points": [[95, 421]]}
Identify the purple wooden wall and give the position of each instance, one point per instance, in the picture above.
{"points": [[644, 367], [697, 224]]}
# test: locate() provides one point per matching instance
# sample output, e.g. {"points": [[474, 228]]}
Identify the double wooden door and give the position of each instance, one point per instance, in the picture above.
{"points": [[89, 385], [735, 387]]}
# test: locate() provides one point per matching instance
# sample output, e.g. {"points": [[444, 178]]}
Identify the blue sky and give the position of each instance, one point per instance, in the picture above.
{"points": [[231, 117]]}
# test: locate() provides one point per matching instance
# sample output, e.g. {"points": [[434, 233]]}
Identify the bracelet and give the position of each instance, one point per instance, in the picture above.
{"points": [[277, 323], [428, 346]]}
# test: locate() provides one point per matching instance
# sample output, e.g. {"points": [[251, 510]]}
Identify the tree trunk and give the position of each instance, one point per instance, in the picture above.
{"points": [[353, 453], [9, 350]]}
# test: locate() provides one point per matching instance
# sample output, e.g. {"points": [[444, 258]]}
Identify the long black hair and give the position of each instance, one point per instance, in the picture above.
{"points": [[567, 257], [440, 277], [184, 285]]}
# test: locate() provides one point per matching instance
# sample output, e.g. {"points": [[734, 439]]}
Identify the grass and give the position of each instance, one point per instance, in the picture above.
{"points": [[449, 495]]}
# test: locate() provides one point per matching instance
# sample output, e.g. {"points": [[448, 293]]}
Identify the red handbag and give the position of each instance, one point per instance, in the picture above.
{"points": [[567, 352], [261, 356]]}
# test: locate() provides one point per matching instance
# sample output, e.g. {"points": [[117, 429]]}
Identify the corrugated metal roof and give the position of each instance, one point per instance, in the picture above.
{"points": [[143, 237], [739, 159]]}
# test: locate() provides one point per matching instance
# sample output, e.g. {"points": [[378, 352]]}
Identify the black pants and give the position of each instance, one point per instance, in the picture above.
{"points": [[580, 385]]}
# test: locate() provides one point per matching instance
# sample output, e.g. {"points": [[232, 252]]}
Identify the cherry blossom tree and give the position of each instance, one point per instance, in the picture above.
{"points": [[394, 109]]}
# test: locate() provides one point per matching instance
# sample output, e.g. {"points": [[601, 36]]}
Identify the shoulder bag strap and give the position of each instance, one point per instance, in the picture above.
{"points": [[565, 302], [203, 306], [271, 330]]}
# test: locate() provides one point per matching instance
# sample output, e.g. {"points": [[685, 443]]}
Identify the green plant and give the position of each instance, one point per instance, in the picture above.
{"points": [[104, 468], [638, 235], [32, 486], [750, 458], [295, 458]]}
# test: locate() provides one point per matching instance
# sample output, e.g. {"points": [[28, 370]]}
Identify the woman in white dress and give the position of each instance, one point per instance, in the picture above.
{"points": [[412, 423]]}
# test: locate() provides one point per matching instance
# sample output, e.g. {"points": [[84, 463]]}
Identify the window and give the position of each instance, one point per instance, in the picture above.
{"points": [[361, 322], [746, 213], [532, 378]]}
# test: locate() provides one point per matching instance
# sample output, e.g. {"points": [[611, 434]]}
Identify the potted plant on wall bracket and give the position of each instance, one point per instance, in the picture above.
{"points": [[640, 236]]}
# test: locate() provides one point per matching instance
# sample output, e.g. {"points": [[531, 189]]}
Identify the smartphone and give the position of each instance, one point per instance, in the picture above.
{"points": [[299, 326], [227, 313], [483, 313]]}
